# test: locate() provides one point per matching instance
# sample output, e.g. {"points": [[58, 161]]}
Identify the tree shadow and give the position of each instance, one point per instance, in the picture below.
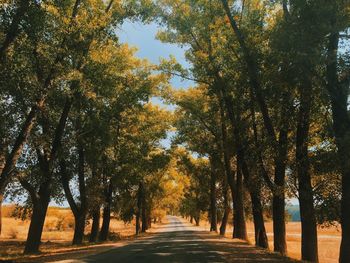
{"points": [[186, 246]]}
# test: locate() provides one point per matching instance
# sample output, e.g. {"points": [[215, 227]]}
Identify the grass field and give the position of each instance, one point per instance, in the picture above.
{"points": [[57, 234], [328, 240]]}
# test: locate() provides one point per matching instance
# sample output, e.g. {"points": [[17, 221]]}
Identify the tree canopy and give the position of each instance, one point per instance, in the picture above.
{"points": [[266, 120]]}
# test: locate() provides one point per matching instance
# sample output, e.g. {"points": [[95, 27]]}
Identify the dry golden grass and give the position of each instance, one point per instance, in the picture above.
{"points": [[57, 234], [328, 240]]}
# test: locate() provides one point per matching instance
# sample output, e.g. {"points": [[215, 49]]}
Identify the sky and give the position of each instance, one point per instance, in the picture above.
{"points": [[143, 37]]}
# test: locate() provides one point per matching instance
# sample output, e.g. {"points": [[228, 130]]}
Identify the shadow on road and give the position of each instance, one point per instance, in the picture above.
{"points": [[180, 242], [186, 246]]}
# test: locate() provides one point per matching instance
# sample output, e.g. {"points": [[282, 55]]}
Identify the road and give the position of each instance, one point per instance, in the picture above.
{"points": [[179, 241]]}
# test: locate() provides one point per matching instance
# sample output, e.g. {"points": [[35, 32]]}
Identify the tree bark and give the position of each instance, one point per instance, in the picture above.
{"points": [[254, 186], [278, 199], [138, 226], [79, 229], [79, 211], [40, 205], [259, 225], [225, 144], [1, 200], [260, 231], [139, 207], [95, 225], [106, 218], [240, 230], [41, 198], [80, 216], [213, 209], [143, 209], [227, 210], [197, 218], [149, 221], [338, 91], [309, 248]]}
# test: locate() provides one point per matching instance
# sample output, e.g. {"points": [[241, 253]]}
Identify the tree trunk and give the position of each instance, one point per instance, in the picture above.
{"points": [[36, 225], [41, 198], [80, 215], [138, 211], [79, 211], [95, 225], [149, 221], [309, 248], [106, 218], [240, 230], [1, 200], [79, 228], [213, 209], [254, 186], [338, 91], [197, 218], [344, 153], [226, 210], [279, 227], [143, 209], [138, 226], [191, 219], [231, 182], [345, 211], [259, 225], [278, 199]]}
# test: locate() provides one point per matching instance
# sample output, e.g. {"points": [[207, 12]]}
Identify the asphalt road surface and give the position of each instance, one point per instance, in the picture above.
{"points": [[179, 241]]}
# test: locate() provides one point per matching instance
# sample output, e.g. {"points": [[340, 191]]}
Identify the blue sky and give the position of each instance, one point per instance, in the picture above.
{"points": [[143, 37]]}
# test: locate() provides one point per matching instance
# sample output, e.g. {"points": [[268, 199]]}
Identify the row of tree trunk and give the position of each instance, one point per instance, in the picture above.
{"points": [[142, 215]]}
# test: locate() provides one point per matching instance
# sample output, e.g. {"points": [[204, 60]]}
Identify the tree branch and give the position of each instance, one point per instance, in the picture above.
{"points": [[65, 184]]}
